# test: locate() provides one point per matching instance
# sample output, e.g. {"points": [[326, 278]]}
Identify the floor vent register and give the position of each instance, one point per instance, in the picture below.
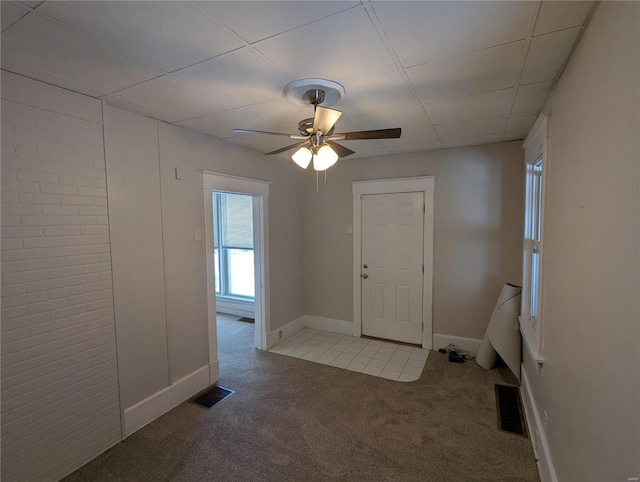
{"points": [[212, 396], [510, 411]]}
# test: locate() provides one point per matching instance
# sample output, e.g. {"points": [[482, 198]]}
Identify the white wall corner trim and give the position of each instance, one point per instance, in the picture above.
{"points": [[468, 344], [214, 372], [536, 432], [331, 325], [159, 403], [288, 330]]}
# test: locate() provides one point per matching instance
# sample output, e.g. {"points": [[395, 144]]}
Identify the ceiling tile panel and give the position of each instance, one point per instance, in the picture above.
{"points": [[417, 139], [380, 93], [548, 54], [242, 76], [282, 113], [521, 122], [221, 124], [415, 146], [255, 21], [514, 136], [170, 99], [358, 146], [558, 15], [483, 71], [407, 118], [364, 150], [424, 31], [48, 51], [165, 35], [472, 128], [489, 104], [531, 97], [472, 141], [343, 48], [463, 62], [10, 13], [262, 143]]}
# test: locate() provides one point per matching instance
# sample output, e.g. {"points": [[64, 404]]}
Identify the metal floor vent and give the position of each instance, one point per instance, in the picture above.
{"points": [[212, 396], [510, 412]]}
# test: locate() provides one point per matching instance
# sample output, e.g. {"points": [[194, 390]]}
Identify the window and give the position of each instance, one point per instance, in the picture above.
{"points": [[233, 245], [533, 234], [536, 158]]}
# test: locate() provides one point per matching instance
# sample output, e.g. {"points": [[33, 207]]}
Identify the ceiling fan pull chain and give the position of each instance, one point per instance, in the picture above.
{"points": [[325, 176], [317, 174]]}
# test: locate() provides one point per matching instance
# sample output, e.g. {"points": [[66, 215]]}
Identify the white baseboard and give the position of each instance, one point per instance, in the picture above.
{"points": [[238, 308], [144, 412], [277, 335], [467, 344], [538, 437], [328, 324]]}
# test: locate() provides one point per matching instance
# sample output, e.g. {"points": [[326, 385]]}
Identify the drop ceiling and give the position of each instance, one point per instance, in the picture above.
{"points": [[449, 73]]}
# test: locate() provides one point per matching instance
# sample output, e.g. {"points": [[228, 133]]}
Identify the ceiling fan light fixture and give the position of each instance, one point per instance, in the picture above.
{"points": [[324, 158], [302, 157]]}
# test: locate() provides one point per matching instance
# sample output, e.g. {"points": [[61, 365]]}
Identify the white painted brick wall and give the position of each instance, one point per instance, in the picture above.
{"points": [[60, 403]]}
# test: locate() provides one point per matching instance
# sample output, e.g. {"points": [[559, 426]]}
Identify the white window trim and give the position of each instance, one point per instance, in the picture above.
{"points": [[536, 145]]}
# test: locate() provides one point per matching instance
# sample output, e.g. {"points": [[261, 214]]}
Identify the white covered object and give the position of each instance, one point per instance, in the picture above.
{"points": [[503, 332]]}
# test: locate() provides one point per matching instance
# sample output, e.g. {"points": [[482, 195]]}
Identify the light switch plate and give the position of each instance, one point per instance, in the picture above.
{"points": [[198, 234]]}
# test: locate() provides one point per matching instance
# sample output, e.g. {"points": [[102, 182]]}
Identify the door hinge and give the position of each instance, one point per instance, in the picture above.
{"points": [[424, 208], [423, 268]]}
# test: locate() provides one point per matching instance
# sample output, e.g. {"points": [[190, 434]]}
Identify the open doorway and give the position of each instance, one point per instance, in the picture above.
{"points": [[234, 273], [236, 232]]}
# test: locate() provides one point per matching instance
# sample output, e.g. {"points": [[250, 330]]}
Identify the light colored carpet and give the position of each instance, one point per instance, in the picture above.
{"points": [[291, 420]]}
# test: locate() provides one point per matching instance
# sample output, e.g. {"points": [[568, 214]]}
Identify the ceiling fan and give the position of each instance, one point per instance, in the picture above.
{"points": [[316, 138]]}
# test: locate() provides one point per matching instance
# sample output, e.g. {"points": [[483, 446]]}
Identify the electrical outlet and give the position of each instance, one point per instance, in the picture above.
{"points": [[349, 228]]}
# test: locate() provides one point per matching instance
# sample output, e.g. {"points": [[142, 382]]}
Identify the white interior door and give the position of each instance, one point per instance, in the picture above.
{"points": [[392, 266]]}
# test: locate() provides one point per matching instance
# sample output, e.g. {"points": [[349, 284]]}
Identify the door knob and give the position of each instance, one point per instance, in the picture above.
{"points": [[364, 266], [365, 276]]}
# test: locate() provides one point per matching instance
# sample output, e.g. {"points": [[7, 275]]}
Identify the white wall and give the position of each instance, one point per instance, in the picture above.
{"points": [[133, 174], [159, 266], [589, 385], [477, 231], [60, 404], [194, 152]]}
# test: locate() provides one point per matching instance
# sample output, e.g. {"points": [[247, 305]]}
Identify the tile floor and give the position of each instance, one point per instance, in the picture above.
{"points": [[372, 357]]}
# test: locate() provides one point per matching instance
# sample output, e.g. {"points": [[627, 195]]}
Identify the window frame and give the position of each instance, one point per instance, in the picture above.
{"points": [[531, 318]]}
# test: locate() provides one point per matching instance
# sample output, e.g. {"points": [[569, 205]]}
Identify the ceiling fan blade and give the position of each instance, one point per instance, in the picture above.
{"points": [[247, 131], [340, 150], [377, 134], [324, 119], [282, 149]]}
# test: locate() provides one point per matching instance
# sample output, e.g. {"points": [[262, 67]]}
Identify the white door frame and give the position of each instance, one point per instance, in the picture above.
{"points": [[425, 184], [213, 181]]}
